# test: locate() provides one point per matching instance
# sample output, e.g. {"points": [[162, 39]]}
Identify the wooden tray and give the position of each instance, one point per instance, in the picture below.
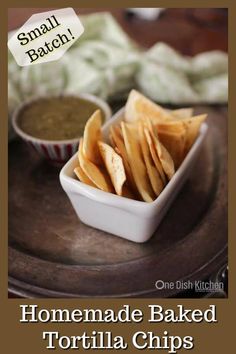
{"points": [[52, 254]]}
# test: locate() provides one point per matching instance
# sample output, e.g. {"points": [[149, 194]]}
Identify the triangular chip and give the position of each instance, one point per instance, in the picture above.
{"points": [[83, 177], [112, 141], [188, 126], [193, 126], [182, 113], [154, 175], [173, 127], [154, 155], [140, 107], [119, 143], [97, 175], [164, 156], [175, 144], [128, 193], [114, 166], [92, 134], [136, 162]]}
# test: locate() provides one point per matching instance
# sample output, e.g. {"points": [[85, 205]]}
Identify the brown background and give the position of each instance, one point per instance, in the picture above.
{"points": [[16, 337]]}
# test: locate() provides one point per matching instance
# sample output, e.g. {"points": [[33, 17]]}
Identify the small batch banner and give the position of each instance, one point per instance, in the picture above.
{"points": [[45, 37]]}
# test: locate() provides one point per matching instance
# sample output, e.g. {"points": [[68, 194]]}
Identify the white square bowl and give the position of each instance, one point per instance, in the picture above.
{"points": [[127, 218]]}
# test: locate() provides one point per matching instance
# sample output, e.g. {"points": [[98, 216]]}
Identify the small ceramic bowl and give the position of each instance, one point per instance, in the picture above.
{"points": [[57, 151], [127, 218]]}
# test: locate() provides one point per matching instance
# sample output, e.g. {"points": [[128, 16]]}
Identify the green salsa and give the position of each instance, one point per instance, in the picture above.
{"points": [[57, 118]]}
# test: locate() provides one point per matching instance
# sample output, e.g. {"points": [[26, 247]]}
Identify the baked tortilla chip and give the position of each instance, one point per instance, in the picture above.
{"points": [[175, 144], [143, 151], [182, 113], [92, 134], [139, 107], [117, 130], [114, 166], [174, 127], [163, 154], [136, 162], [154, 175], [83, 177], [112, 142], [173, 136], [193, 126], [120, 147], [154, 155], [97, 175], [188, 127], [128, 193]]}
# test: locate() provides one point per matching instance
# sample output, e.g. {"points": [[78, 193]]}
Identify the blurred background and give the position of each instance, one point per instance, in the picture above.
{"points": [[203, 80]]}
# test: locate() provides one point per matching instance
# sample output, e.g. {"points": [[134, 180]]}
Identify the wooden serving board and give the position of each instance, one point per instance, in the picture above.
{"points": [[53, 254]]}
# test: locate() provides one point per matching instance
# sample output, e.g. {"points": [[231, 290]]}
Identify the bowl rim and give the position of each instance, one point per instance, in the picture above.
{"points": [[123, 202], [87, 96]]}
